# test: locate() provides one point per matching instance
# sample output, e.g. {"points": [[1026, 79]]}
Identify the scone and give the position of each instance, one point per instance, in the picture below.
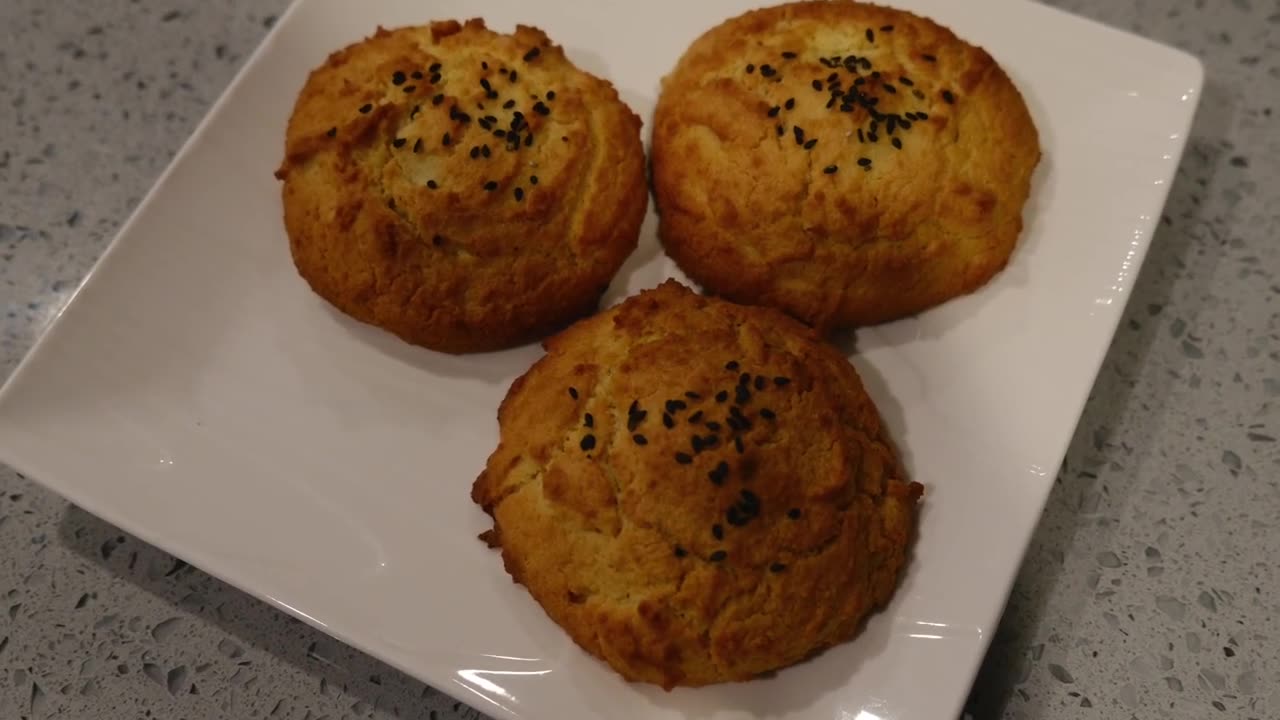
{"points": [[845, 162], [697, 491], [463, 189]]}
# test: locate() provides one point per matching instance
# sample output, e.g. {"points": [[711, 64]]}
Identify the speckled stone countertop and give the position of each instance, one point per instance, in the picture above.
{"points": [[1150, 590]]}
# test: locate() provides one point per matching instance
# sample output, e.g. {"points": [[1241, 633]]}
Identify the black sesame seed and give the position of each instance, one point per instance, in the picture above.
{"points": [[948, 97], [742, 395], [391, 203], [744, 379], [519, 193], [640, 439], [533, 53], [722, 396], [484, 150], [333, 131], [861, 138], [397, 78], [500, 132], [886, 28], [749, 499], [588, 420], [437, 240], [675, 406], [794, 513], [777, 567], [873, 137], [735, 424], [732, 365], [768, 70], [760, 382], [817, 85], [680, 552], [446, 140], [929, 58], [922, 116], [790, 104], [810, 143], [533, 179], [491, 185], [890, 89], [692, 395], [864, 162], [551, 95], [541, 108], [667, 422], [417, 145], [588, 442], [514, 76], [750, 68], [718, 556], [416, 75], [695, 418], [528, 140], [734, 516], [399, 142], [773, 111], [871, 35], [830, 170], [717, 531], [433, 185], [683, 458], [713, 426], [767, 414], [904, 124], [906, 81], [696, 443], [364, 109], [781, 381], [832, 102], [414, 112], [435, 67], [891, 123], [897, 143], [787, 54], [799, 133], [475, 152], [782, 130], [737, 444], [410, 88], [437, 99], [435, 78]]}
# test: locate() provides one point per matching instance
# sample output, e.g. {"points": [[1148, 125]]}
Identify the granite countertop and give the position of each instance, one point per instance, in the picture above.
{"points": [[1149, 590]]}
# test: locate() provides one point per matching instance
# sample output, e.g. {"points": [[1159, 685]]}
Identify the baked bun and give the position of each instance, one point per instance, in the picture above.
{"points": [[697, 491], [845, 162], [464, 189]]}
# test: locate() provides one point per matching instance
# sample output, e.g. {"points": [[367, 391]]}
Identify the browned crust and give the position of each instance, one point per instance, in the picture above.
{"points": [[592, 533], [459, 268], [753, 216]]}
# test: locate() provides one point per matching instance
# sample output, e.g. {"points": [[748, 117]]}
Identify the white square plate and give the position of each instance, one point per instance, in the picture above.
{"points": [[195, 393]]}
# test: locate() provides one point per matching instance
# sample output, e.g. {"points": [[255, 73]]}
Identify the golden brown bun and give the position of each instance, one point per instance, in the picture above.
{"points": [[686, 562], [753, 215], [406, 209]]}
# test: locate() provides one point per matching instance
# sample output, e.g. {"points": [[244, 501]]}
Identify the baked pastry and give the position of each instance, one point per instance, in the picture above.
{"points": [[697, 491], [464, 189], [845, 162]]}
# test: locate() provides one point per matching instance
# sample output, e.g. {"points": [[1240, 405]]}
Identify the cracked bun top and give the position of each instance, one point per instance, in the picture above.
{"points": [[464, 189], [697, 491], [845, 162]]}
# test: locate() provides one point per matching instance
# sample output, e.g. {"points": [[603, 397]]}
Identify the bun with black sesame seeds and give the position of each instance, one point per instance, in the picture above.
{"points": [[464, 189], [845, 162], [697, 491]]}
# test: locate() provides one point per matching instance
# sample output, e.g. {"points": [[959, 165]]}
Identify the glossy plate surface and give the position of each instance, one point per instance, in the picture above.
{"points": [[196, 394]]}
